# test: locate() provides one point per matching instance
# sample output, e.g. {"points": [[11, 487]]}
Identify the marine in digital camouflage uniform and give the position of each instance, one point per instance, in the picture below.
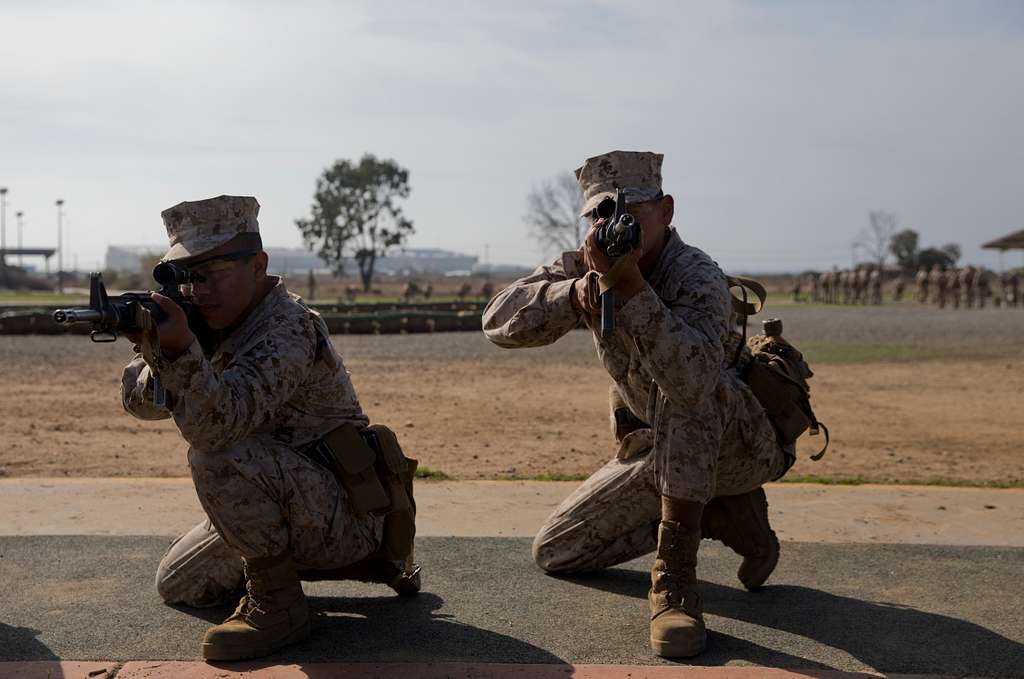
{"points": [[695, 446], [258, 384]]}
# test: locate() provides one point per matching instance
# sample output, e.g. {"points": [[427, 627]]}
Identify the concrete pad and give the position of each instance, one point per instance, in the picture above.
{"points": [[853, 608], [187, 670], [57, 670], [800, 512]]}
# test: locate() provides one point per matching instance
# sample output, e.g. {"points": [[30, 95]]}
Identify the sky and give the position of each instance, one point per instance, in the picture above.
{"points": [[783, 123]]}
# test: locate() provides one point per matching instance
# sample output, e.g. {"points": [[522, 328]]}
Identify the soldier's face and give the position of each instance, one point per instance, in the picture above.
{"points": [[655, 216], [228, 289]]}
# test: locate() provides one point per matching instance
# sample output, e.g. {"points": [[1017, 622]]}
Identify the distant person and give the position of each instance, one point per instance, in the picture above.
{"points": [[861, 285], [875, 284], [937, 284], [411, 291], [983, 287], [953, 290], [264, 401], [849, 283], [311, 285], [922, 285], [967, 285], [900, 288], [695, 445]]}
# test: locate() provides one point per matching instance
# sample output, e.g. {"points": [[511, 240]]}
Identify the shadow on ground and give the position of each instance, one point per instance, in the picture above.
{"points": [[400, 629], [26, 641], [857, 608], [897, 637]]}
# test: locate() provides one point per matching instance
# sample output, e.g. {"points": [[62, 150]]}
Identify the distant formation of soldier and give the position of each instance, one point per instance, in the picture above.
{"points": [[968, 287], [862, 285]]}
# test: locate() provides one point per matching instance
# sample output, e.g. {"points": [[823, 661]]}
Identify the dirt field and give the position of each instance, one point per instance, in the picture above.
{"points": [[910, 394]]}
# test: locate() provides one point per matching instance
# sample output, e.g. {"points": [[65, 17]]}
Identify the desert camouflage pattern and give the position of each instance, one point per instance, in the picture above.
{"points": [[670, 358], [277, 375], [637, 173], [198, 226], [246, 407], [199, 569]]}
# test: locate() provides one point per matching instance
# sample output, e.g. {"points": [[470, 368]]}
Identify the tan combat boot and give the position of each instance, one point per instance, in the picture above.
{"points": [[271, 615], [741, 522], [677, 610]]}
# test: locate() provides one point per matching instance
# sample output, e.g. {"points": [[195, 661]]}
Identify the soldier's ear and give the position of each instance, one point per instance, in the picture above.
{"points": [[261, 264], [668, 209]]}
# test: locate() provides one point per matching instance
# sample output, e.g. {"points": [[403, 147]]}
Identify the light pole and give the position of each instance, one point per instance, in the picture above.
{"points": [[19, 214], [60, 246], [3, 226]]}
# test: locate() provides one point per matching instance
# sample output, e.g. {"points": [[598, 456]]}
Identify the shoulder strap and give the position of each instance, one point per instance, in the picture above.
{"points": [[816, 427], [742, 306]]}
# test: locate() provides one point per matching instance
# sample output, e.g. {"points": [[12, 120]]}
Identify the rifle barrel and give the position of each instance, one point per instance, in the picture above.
{"points": [[69, 316]]}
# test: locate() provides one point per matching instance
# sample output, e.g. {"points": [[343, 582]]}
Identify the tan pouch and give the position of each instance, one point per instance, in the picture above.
{"points": [[398, 472], [780, 398], [778, 376], [354, 463]]}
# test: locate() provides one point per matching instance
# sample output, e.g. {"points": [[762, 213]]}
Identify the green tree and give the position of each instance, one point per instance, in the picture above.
{"points": [[903, 247], [355, 213], [929, 257]]}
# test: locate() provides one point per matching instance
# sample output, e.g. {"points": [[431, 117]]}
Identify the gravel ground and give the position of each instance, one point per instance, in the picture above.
{"points": [[473, 410], [905, 325]]}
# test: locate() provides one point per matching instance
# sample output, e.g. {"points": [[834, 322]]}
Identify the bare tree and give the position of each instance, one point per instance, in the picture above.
{"points": [[552, 210], [877, 238]]}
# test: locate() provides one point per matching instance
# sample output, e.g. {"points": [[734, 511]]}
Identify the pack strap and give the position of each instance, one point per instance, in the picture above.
{"points": [[742, 306], [816, 428]]}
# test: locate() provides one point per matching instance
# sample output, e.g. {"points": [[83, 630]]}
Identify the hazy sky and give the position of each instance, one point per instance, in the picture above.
{"points": [[782, 123]]}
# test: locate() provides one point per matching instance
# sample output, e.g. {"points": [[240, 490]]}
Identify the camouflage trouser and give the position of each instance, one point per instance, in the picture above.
{"points": [[261, 498], [613, 517]]}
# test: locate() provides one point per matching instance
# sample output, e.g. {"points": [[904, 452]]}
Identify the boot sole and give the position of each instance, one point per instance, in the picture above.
{"points": [[677, 649], [222, 652]]}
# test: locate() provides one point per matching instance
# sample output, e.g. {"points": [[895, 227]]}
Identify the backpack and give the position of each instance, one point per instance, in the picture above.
{"points": [[778, 373]]}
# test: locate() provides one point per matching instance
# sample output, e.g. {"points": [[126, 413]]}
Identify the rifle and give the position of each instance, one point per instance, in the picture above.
{"points": [[127, 313], [618, 235]]}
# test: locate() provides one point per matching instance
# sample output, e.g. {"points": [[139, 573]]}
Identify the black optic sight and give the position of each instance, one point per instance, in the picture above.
{"points": [[621, 232]]}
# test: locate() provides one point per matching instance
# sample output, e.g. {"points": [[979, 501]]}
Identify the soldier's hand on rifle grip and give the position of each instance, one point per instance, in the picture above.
{"points": [[629, 280], [593, 257], [173, 331]]}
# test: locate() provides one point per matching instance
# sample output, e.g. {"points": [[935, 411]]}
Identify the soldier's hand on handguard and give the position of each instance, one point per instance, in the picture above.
{"points": [[173, 331]]}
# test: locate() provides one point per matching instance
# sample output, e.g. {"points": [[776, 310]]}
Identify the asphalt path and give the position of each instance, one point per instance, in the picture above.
{"points": [[887, 608]]}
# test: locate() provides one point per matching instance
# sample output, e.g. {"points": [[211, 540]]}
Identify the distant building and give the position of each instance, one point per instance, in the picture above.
{"points": [[129, 258], [421, 261]]}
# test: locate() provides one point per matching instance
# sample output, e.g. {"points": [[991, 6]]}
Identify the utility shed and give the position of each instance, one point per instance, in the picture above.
{"points": [[1014, 241]]}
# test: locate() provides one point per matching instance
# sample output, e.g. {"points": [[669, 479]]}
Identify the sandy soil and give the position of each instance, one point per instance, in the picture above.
{"points": [[472, 411]]}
